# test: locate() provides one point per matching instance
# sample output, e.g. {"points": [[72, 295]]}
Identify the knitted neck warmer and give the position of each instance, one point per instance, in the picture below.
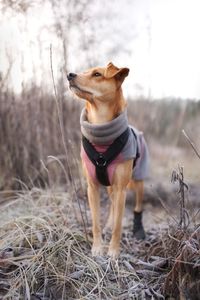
{"points": [[102, 134]]}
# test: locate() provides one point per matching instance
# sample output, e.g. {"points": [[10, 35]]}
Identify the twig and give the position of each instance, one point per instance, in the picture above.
{"points": [[179, 176], [191, 143], [167, 209], [182, 195], [64, 144]]}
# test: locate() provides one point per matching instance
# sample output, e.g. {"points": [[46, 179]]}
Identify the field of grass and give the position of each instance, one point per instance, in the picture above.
{"points": [[45, 225]]}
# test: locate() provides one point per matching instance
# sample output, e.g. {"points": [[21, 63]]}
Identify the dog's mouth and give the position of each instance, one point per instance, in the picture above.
{"points": [[73, 86]]}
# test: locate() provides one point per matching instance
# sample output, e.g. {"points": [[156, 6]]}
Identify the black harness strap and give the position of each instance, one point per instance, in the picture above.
{"points": [[102, 160]]}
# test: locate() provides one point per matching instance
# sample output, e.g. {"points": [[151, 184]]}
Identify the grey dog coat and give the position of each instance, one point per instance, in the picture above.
{"points": [[102, 135]]}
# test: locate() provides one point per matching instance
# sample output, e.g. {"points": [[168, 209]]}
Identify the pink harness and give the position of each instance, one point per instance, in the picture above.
{"points": [[91, 168], [120, 158]]}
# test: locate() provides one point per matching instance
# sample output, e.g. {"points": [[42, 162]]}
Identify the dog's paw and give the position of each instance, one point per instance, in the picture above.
{"points": [[139, 233], [113, 253], [97, 250], [138, 229]]}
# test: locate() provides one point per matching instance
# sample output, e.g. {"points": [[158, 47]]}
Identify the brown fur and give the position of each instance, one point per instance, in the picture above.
{"points": [[101, 88]]}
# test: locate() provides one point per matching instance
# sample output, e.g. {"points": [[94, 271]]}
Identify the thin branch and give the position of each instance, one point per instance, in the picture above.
{"points": [[179, 177], [191, 143]]}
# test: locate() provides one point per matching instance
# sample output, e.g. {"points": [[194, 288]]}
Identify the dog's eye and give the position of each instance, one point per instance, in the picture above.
{"points": [[96, 74]]}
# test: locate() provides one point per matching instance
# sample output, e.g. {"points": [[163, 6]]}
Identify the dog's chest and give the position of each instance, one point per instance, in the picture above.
{"points": [[91, 168]]}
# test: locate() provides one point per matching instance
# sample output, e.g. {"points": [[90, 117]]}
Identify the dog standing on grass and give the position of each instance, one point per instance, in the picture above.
{"points": [[113, 153]]}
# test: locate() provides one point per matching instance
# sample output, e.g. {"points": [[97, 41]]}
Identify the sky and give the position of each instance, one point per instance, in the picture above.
{"points": [[175, 60], [159, 40]]}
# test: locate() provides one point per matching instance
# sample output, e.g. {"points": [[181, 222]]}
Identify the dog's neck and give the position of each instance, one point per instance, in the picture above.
{"points": [[100, 111], [104, 133]]}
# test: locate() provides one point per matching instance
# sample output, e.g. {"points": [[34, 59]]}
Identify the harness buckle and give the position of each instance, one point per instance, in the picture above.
{"points": [[101, 161]]}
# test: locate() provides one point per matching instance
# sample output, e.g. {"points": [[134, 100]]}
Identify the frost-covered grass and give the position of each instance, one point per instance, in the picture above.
{"points": [[45, 254]]}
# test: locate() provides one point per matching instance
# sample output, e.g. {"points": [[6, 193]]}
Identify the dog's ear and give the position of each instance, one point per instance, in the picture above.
{"points": [[111, 70], [118, 73], [122, 74]]}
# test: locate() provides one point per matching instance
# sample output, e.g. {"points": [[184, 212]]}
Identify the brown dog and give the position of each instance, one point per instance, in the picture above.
{"points": [[101, 88]]}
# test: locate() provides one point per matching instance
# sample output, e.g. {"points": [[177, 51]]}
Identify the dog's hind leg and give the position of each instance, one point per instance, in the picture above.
{"points": [[138, 229], [139, 192]]}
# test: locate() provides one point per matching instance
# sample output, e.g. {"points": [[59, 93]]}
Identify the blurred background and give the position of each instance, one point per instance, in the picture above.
{"points": [[157, 39]]}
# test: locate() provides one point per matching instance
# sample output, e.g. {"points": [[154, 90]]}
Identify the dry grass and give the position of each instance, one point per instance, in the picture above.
{"points": [[31, 133], [45, 235], [163, 120], [44, 254]]}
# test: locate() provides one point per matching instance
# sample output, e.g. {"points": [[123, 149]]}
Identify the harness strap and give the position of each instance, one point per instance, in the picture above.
{"points": [[102, 160]]}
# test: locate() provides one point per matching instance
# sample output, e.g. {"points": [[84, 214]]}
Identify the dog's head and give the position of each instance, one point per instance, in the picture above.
{"points": [[98, 83]]}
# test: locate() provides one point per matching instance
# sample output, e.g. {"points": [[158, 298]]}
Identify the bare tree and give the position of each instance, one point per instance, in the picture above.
{"points": [[70, 17]]}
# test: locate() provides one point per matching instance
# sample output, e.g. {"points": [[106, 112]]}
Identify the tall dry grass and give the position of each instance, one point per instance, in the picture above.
{"points": [[164, 119], [31, 145], [30, 138]]}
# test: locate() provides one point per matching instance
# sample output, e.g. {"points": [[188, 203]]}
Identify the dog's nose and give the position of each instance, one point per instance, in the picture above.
{"points": [[71, 76]]}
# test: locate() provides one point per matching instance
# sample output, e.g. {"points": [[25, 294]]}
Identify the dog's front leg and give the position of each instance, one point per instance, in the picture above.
{"points": [[121, 179], [109, 222], [119, 204], [94, 202]]}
